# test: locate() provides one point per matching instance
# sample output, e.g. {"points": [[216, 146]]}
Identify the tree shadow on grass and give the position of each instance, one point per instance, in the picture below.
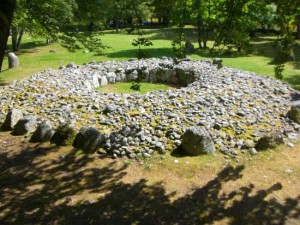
{"points": [[132, 53], [2, 83], [36, 189], [294, 80]]}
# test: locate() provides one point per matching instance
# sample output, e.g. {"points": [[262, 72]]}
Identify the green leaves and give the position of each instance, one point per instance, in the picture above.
{"points": [[139, 42]]}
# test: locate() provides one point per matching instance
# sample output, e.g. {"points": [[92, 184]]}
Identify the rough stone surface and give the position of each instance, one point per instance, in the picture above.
{"points": [[25, 125], [88, 139], [64, 135], [270, 141], [43, 133], [196, 141], [236, 107], [12, 117], [13, 60], [189, 47], [294, 113]]}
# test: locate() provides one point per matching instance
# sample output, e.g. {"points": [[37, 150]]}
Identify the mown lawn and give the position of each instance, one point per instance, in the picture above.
{"points": [[36, 56], [125, 88]]}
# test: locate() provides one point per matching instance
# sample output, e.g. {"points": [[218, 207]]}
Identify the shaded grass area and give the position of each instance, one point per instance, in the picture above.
{"points": [[36, 56], [44, 184], [125, 88]]}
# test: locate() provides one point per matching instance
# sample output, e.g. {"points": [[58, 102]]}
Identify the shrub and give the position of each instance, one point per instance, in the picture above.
{"points": [[136, 86], [278, 71]]}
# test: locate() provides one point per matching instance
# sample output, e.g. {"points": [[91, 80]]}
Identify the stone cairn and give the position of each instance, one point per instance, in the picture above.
{"points": [[215, 110]]}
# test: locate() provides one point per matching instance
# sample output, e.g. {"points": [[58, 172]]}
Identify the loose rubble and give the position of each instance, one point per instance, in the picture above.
{"points": [[236, 108]]}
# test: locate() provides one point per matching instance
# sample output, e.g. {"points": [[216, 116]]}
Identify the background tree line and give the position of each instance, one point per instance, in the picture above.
{"points": [[74, 23]]}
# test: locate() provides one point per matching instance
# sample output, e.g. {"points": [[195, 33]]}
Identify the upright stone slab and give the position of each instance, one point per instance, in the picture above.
{"points": [[12, 117], [64, 135], [13, 60], [269, 141], [189, 47], [43, 133], [294, 113], [88, 139], [103, 81], [25, 125], [196, 141]]}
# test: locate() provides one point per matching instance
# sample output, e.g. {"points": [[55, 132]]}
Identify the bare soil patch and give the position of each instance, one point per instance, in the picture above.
{"points": [[46, 184]]}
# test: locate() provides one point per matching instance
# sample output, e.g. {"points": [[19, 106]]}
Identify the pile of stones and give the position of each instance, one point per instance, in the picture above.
{"points": [[215, 110]]}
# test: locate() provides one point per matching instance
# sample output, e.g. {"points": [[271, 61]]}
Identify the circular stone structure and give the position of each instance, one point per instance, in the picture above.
{"points": [[237, 108]]}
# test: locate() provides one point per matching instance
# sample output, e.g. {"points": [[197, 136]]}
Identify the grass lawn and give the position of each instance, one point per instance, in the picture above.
{"points": [[125, 88], [36, 56]]}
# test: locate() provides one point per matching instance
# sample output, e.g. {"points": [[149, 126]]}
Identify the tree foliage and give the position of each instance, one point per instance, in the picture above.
{"points": [[6, 15], [230, 24]]}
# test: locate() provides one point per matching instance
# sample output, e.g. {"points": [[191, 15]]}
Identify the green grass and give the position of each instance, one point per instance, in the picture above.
{"points": [[124, 88], [36, 56]]}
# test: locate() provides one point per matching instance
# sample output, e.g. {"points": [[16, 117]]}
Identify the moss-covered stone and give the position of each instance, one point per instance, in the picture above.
{"points": [[64, 135], [294, 113], [269, 141]]}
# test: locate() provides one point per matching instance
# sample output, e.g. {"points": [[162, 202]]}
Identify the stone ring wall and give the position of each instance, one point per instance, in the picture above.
{"points": [[237, 108]]}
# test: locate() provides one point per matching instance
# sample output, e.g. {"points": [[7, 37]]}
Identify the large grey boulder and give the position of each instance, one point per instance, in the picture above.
{"points": [[103, 81], [25, 125], [189, 47], [12, 117], [196, 141], [13, 60], [43, 133], [95, 81], [111, 77], [64, 135], [269, 141], [294, 113], [88, 139]]}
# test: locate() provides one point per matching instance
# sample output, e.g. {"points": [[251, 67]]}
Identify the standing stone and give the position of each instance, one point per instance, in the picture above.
{"points": [[43, 133], [13, 60], [103, 81], [95, 81], [64, 135], [294, 113], [218, 62], [196, 141], [25, 125], [269, 141], [189, 47], [111, 77], [12, 117], [88, 139]]}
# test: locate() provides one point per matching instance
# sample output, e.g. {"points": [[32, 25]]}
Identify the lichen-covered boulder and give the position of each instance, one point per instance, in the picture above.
{"points": [[269, 141], [196, 141], [64, 135], [88, 139], [43, 133], [12, 117], [294, 113], [25, 125]]}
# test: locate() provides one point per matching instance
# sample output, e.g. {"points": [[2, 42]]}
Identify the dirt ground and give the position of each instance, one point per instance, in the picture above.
{"points": [[45, 184]]}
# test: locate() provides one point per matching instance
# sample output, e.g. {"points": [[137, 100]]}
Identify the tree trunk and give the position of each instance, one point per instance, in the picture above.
{"points": [[117, 25], [199, 43], [14, 38], [298, 31], [20, 39], [6, 14]]}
